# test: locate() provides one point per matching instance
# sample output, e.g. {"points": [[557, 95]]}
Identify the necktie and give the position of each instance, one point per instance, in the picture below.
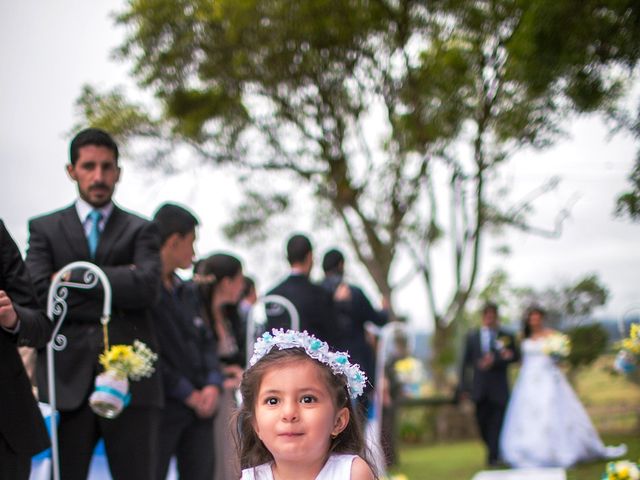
{"points": [[94, 233]]}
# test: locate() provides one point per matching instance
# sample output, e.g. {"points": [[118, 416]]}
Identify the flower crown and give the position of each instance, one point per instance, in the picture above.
{"points": [[338, 362]]}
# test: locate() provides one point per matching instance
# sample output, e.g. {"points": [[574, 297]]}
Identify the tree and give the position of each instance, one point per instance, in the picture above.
{"points": [[566, 304], [588, 342], [455, 87], [628, 203]]}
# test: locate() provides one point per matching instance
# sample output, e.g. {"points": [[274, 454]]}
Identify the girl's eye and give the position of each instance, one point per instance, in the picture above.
{"points": [[271, 401], [308, 399]]}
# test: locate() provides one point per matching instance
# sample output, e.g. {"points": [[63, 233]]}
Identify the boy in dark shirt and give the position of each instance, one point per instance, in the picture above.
{"points": [[189, 364]]}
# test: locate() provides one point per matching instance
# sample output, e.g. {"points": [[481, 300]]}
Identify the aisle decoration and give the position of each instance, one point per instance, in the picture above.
{"points": [[621, 470], [121, 363], [628, 356], [412, 376]]}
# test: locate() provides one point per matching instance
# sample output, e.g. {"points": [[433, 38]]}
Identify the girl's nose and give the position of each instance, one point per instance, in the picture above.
{"points": [[290, 411]]}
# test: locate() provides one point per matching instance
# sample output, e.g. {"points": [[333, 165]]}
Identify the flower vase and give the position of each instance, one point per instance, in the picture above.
{"points": [[627, 364], [111, 394]]}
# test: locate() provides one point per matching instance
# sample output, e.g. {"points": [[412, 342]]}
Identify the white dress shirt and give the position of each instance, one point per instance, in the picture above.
{"points": [[84, 209]]}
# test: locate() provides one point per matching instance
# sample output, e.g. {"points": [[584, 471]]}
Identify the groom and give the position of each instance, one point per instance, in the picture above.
{"points": [[488, 352]]}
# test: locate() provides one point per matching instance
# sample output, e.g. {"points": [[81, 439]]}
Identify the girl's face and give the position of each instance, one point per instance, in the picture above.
{"points": [[295, 414], [230, 288]]}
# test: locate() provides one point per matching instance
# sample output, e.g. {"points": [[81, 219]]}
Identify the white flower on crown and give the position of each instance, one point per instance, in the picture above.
{"points": [[316, 349]]}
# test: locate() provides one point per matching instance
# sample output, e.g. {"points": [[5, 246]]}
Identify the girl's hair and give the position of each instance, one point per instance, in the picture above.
{"points": [[252, 451], [526, 327], [207, 273], [210, 270]]}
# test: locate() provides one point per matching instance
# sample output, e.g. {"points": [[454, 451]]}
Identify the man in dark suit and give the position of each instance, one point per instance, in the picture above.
{"points": [[126, 248], [488, 352], [22, 322], [353, 311], [314, 304]]}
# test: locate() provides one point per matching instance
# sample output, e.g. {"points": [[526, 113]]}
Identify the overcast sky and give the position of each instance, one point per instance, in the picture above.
{"points": [[50, 49]]}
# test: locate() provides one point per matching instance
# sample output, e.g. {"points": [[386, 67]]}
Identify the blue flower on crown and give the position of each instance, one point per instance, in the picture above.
{"points": [[338, 362]]}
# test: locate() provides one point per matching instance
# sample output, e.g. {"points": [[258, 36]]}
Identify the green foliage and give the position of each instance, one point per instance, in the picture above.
{"points": [[250, 222], [628, 203], [586, 294], [415, 425], [195, 108], [588, 342], [564, 301], [496, 288], [114, 113], [447, 353]]}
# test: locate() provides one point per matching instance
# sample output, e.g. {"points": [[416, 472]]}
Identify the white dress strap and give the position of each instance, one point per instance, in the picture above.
{"points": [[338, 467]]}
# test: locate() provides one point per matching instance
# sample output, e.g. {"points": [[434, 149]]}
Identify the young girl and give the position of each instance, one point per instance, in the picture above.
{"points": [[296, 421]]}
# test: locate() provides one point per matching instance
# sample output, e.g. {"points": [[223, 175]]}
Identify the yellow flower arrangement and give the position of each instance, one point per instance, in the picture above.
{"points": [[409, 370], [628, 356], [129, 361], [621, 470], [411, 374], [632, 343]]}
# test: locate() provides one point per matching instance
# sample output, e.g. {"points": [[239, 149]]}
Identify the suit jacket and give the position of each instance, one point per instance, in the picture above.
{"points": [[314, 305], [128, 253], [491, 384], [188, 349], [21, 423], [351, 316]]}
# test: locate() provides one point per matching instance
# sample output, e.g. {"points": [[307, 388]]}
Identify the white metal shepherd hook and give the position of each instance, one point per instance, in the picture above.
{"points": [[258, 315], [57, 311]]}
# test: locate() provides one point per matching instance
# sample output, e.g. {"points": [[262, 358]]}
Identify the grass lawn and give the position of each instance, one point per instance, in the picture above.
{"points": [[461, 460], [611, 400]]}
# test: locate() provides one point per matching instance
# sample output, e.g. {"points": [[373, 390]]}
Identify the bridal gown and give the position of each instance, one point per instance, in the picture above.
{"points": [[545, 424]]}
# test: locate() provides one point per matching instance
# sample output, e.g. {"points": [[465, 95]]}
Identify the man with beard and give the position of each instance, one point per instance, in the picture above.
{"points": [[126, 248]]}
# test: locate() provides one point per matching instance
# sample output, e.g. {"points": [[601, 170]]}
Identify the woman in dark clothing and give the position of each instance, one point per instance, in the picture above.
{"points": [[221, 284]]}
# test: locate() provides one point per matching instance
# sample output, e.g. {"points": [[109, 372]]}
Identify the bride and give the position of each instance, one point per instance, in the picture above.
{"points": [[545, 423]]}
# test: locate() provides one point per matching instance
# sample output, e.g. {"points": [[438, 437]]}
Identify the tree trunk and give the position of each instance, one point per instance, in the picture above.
{"points": [[443, 355]]}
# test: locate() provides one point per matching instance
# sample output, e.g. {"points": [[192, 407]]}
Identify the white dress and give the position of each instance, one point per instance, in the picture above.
{"points": [[338, 467], [545, 424]]}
